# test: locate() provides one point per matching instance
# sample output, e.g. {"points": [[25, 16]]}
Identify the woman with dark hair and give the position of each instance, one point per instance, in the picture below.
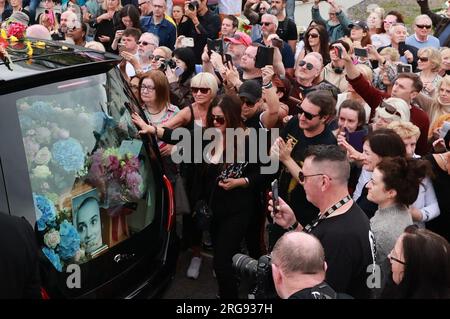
{"points": [[351, 117], [223, 181], [394, 186], [316, 40], [180, 77], [420, 264], [129, 18], [107, 23]]}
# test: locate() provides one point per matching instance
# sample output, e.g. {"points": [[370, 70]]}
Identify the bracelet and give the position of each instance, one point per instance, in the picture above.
{"points": [[268, 85], [293, 226], [247, 181]]}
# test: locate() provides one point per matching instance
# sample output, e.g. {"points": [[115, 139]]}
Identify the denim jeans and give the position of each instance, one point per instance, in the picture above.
{"points": [[33, 4], [290, 9]]}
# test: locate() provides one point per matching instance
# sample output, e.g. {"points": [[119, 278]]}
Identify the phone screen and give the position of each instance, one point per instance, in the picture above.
{"points": [[361, 52], [356, 139], [275, 195], [264, 56]]}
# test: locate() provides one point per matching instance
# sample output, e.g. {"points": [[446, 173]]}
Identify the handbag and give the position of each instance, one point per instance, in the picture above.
{"points": [[181, 199]]}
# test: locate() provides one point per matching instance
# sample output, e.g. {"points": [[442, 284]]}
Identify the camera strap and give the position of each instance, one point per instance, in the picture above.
{"points": [[308, 228]]}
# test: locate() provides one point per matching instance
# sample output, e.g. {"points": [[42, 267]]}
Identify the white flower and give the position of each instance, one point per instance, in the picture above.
{"points": [[43, 156], [41, 171], [52, 238]]}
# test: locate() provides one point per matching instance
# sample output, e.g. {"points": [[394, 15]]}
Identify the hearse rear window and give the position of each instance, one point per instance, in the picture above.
{"points": [[92, 182]]}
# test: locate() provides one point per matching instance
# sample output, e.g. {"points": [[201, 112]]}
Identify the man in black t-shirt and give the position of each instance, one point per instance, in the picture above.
{"points": [[287, 30], [341, 226]]}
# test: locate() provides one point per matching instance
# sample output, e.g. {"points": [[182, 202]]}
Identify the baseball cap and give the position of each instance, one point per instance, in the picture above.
{"points": [[19, 17], [240, 38], [251, 89], [361, 24]]}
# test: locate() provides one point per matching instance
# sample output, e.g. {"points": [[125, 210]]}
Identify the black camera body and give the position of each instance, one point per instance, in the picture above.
{"points": [[259, 272], [193, 5], [167, 64]]}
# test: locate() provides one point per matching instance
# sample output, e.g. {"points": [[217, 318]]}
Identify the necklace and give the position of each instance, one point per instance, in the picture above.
{"points": [[156, 112]]}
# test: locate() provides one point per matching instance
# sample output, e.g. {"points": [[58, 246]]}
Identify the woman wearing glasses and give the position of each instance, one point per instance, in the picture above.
{"points": [[429, 63], [394, 186], [316, 40], [226, 186], [420, 264]]}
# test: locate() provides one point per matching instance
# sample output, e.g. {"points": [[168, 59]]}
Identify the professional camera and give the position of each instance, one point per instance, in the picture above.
{"points": [[193, 5], [167, 64], [260, 274]]}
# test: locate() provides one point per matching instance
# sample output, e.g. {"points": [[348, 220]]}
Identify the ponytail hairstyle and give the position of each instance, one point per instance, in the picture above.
{"points": [[404, 176]]}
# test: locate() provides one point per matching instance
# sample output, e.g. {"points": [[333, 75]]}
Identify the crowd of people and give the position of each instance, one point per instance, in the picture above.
{"points": [[363, 111]]}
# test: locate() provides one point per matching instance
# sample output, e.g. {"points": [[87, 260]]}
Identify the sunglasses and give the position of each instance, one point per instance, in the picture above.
{"points": [[423, 58], [309, 116], [390, 109], [247, 102], [155, 57], [201, 90], [145, 43], [423, 26], [313, 35], [218, 118], [309, 66], [266, 23], [302, 177]]}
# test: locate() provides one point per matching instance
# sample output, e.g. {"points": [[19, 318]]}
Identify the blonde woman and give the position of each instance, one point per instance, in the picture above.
{"points": [[107, 23], [391, 109], [429, 63], [49, 18], [445, 65], [440, 105]]}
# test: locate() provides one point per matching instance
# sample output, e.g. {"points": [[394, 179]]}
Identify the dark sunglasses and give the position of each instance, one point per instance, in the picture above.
{"points": [[309, 66], [423, 26], [144, 43], [397, 260], [302, 177], [313, 35], [390, 109], [309, 116], [266, 23], [218, 118], [155, 57], [247, 102], [423, 58], [202, 90]]}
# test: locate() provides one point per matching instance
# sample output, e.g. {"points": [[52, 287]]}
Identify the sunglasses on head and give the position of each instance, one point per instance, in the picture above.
{"points": [[390, 109], [423, 58], [423, 26], [201, 90], [309, 66], [247, 102], [218, 118], [308, 116]]}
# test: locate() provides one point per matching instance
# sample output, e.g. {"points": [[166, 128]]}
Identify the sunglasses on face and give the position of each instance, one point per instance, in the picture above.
{"points": [[309, 66], [201, 90], [302, 177], [247, 102], [423, 58], [218, 118], [144, 43], [423, 26], [155, 57], [313, 35], [390, 109], [266, 23], [308, 116]]}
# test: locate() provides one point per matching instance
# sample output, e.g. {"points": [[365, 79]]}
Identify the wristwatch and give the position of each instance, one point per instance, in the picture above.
{"points": [[293, 226]]}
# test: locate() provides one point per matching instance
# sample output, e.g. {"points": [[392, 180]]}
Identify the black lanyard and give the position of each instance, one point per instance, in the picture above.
{"points": [[308, 228]]}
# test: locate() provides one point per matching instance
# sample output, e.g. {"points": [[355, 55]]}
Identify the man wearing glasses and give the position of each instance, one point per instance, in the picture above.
{"points": [[159, 25], [441, 23], [337, 24], [341, 226], [421, 37], [145, 7]]}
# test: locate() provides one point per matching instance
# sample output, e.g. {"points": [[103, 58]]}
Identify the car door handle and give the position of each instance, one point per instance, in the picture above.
{"points": [[123, 257]]}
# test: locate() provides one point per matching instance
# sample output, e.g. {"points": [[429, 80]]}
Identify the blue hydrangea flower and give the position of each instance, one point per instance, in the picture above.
{"points": [[70, 240], [69, 154], [40, 111], [25, 122], [45, 212], [53, 257]]}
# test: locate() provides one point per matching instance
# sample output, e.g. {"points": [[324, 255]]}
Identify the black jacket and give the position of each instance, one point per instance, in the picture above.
{"points": [[19, 266]]}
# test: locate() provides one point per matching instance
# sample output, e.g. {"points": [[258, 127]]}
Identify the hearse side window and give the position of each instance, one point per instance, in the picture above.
{"points": [[92, 182]]}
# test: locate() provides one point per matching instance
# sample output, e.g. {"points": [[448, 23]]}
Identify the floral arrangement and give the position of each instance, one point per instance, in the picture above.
{"points": [[15, 31], [116, 176], [60, 238]]}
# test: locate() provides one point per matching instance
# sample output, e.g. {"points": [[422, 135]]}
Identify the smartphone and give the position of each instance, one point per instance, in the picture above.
{"points": [[120, 47], [275, 195], [264, 56], [338, 52], [277, 43], [402, 48], [404, 68], [228, 58], [356, 139], [444, 129], [361, 52], [215, 45], [187, 42]]}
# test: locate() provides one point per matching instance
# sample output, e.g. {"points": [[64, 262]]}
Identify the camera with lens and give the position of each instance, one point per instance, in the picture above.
{"points": [[167, 64], [259, 272], [193, 5]]}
